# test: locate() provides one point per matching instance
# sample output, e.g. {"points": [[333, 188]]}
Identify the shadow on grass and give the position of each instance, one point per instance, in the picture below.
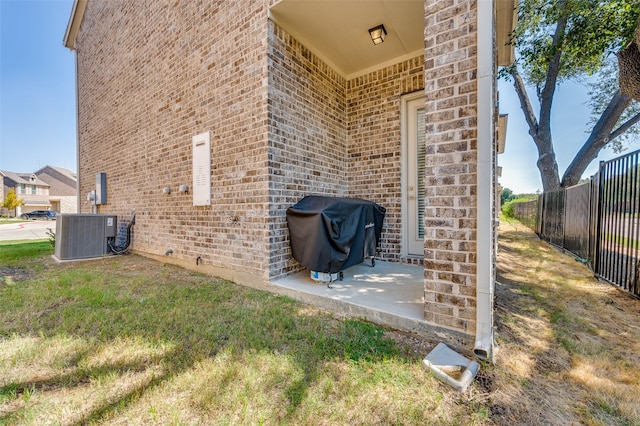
{"points": [[554, 321], [194, 318]]}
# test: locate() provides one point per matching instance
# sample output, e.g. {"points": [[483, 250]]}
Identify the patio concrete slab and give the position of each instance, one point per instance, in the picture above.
{"points": [[389, 294], [385, 289]]}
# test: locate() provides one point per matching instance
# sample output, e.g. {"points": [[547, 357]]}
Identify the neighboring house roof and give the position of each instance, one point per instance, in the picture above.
{"points": [[62, 182], [24, 178], [65, 172]]}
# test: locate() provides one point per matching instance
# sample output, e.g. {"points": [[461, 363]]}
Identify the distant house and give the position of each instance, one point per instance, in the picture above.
{"points": [[209, 119], [50, 188], [63, 191], [29, 188]]}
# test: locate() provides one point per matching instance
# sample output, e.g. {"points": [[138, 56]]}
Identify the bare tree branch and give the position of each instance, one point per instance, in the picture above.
{"points": [[546, 156], [625, 126], [525, 104], [601, 135], [546, 96]]}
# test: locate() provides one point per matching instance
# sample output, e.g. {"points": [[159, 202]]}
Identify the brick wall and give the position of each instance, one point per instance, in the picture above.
{"points": [[307, 136], [374, 147], [69, 204], [450, 217], [167, 72]]}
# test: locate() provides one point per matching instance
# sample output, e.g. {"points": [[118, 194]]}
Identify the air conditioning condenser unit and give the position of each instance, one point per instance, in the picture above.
{"points": [[83, 236]]}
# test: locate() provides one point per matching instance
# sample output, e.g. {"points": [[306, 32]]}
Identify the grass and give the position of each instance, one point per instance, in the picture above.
{"points": [[14, 253], [623, 241], [572, 340], [127, 340]]}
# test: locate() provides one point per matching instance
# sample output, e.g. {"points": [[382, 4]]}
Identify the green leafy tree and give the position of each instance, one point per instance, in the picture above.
{"points": [[506, 195], [11, 201], [558, 40]]}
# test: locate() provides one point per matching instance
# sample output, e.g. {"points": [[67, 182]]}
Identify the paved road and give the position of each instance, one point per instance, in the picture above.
{"points": [[34, 230]]}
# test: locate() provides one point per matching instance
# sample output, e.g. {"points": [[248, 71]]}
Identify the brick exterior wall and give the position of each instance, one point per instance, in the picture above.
{"points": [[151, 75], [68, 203], [307, 136], [450, 216], [373, 120]]}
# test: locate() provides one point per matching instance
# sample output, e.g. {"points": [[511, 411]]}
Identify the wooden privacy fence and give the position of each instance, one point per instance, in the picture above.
{"points": [[526, 212], [598, 221]]}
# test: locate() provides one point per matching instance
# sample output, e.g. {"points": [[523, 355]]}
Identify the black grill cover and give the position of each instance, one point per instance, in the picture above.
{"points": [[329, 234]]}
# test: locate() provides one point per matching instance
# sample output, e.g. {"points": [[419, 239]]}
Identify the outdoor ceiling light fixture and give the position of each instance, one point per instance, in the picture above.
{"points": [[377, 34]]}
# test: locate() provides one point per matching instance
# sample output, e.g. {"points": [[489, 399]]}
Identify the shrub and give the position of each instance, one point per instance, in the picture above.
{"points": [[508, 210]]}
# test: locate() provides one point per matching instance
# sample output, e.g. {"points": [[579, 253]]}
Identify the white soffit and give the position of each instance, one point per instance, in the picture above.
{"points": [[337, 30], [506, 18]]}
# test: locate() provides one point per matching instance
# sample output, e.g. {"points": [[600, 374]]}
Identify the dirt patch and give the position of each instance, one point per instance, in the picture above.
{"points": [[9, 275], [412, 346]]}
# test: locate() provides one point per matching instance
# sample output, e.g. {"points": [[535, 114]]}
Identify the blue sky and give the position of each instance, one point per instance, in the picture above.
{"points": [[37, 101], [37, 86]]}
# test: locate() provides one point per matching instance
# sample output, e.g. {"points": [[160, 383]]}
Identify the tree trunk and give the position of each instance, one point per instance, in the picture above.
{"points": [[541, 135], [540, 131], [548, 168]]}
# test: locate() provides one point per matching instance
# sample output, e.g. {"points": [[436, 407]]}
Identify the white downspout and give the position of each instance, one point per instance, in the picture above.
{"points": [[485, 185], [78, 199]]}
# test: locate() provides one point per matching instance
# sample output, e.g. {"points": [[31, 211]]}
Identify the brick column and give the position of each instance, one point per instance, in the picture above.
{"points": [[451, 138]]}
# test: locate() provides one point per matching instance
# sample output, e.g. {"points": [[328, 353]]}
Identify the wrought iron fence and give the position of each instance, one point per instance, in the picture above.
{"points": [[577, 220], [598, 221], [618, 228]]}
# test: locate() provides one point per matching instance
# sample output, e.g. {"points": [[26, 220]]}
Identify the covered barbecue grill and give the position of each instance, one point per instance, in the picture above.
{"points": [[330, 234]]}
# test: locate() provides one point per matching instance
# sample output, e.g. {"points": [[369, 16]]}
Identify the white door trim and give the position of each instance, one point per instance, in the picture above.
{"points": [[405, 101]]}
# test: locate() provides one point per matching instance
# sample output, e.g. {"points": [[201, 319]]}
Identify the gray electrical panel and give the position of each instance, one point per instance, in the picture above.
{"points": [[82, 236], [101, 188]]}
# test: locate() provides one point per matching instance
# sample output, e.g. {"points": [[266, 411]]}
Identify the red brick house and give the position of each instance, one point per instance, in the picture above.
{"points": [[256, 103]]}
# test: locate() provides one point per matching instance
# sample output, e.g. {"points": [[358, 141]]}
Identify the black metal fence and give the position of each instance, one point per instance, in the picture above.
{"points": [[598, 221], [618, 230]]}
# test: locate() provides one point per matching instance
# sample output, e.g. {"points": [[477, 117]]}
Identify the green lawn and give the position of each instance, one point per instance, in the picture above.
{"points": [[622, 240], [126, 340], [14, 253], [12, 220]]}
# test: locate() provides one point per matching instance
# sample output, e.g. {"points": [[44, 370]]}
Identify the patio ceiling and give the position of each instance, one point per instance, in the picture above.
{"points": [[337, 30]]}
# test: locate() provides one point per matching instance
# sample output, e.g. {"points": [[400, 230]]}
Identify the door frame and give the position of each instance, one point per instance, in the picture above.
{"points": [[405, 100]]}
